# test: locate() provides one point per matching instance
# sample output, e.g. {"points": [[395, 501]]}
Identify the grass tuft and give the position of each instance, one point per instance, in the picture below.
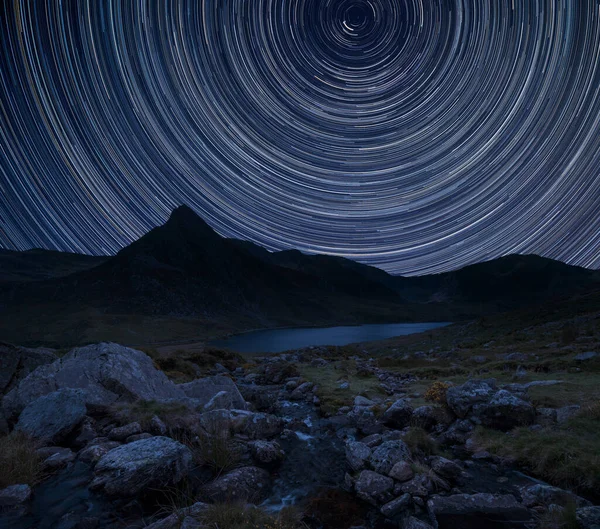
{"points": [[19, 462]]}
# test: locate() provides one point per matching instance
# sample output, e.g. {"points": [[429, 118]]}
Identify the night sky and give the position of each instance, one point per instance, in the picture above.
{"points": [[415, 135]]}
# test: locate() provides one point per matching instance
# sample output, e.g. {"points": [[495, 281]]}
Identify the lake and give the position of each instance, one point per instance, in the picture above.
{"points": [[278, 340]]}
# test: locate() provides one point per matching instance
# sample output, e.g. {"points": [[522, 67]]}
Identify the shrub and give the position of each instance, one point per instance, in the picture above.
{"points": [[176, 416], [437, 392], [565, 518], [216, 449], [239, 516], [19, 462]]}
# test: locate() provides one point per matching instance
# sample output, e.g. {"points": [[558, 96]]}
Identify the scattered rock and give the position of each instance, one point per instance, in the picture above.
{"points": [[504, 411], [249, 484], [218, 392], [128, 469], [17, 362], [420, 485], [138, 437], [123, 432], [394, 507], [398, 414], [565, 413], [461, 399], [582, 357], [588, 517], [414, 523], [357, 455], [545, 495], [402, 471], [56, 457], [430, 417], [92, 454], [445, 468], [54, 416], [266, 451]]}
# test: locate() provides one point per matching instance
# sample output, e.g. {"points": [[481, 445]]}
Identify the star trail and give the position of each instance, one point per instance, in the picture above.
{"points": [[415, 135]]}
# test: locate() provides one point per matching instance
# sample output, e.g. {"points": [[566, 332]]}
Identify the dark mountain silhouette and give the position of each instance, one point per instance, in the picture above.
{"points": [[183, 280]]}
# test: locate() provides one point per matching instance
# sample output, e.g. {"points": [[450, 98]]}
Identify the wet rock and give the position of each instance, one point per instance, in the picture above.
{"points": [[398, 415], [218, 392], [56, 457], [504, 411], [414, 523], [545, 495], [128, 469], [54, 416], [477, 511], [374, 488], [357, 455], [249, 484], [93, 453], [445, 468], [394, 507], [17, 362], [106, 372], [588, 517], [123, 432], [386, 455], [262, 426], [402, 471], [431, 417], [461, 399], [14, 495], [266, 452]]}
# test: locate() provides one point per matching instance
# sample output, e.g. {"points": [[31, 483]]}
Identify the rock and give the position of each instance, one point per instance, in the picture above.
{"points": [[359, 400], [374, 488], [445, 468], [301, 391], [588, 517], [87, 432], [106, 372], [174, 520], [365, 420], [54, 416], [394, 507], [56, 457], [402, 471], [386, 455], [17, 362], [477, 511], [582, 357], [218, 392], [398, 414], [414, 523], [545, 416], [357, 455], [138, 437], [420, 485], [14, 495], [430, 417], [93, 453], [262, 426], [566, 412], [123, 432], [248, 484], [461, 399], [151, 463], [458, 433], [545, 495], [372, 440], [266, 452], [504, 411], [157, 427]]}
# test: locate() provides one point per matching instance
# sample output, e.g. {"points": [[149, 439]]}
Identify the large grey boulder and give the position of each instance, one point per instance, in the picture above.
{"points": [[53, 417], [477, 511], [254, 425], [357, 455], [214, 393], [374, 488], [461, 399], [107, 372], [248, 484], [505, 411], [157, 462], [395, 507], [588, 517], [387, 454], [17, 362], [398, 415], [540, 494]]}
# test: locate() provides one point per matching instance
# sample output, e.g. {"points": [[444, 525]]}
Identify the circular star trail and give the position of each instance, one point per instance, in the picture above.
{"points": [[415, 135]]}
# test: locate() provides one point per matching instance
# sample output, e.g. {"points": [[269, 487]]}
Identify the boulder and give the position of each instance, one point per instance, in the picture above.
{"points": [[94, 452], [107, 372], [432, 417], [56, 457], [248, 484], [461, 399], [174, 521], [588, 517], [566, 412], [402, 471], [504, 411], [17, 362], [387, 454], [398, 414], [365, 420], [121, 433], [420, 485], [414, 523], [357, 455], [158, 462], [374, 488], [266, 452], [54, 416], [14, 495], [545, 495], [395, 507], [589, 355], [477, 511], [214, 393], [445, 468]]}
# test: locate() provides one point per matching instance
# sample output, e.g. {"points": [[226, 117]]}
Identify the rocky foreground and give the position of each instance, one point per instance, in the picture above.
{"points": [[119, 444]]}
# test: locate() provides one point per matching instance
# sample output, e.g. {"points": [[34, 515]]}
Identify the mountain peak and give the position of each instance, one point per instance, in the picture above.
{"points": [[184, 217]]}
